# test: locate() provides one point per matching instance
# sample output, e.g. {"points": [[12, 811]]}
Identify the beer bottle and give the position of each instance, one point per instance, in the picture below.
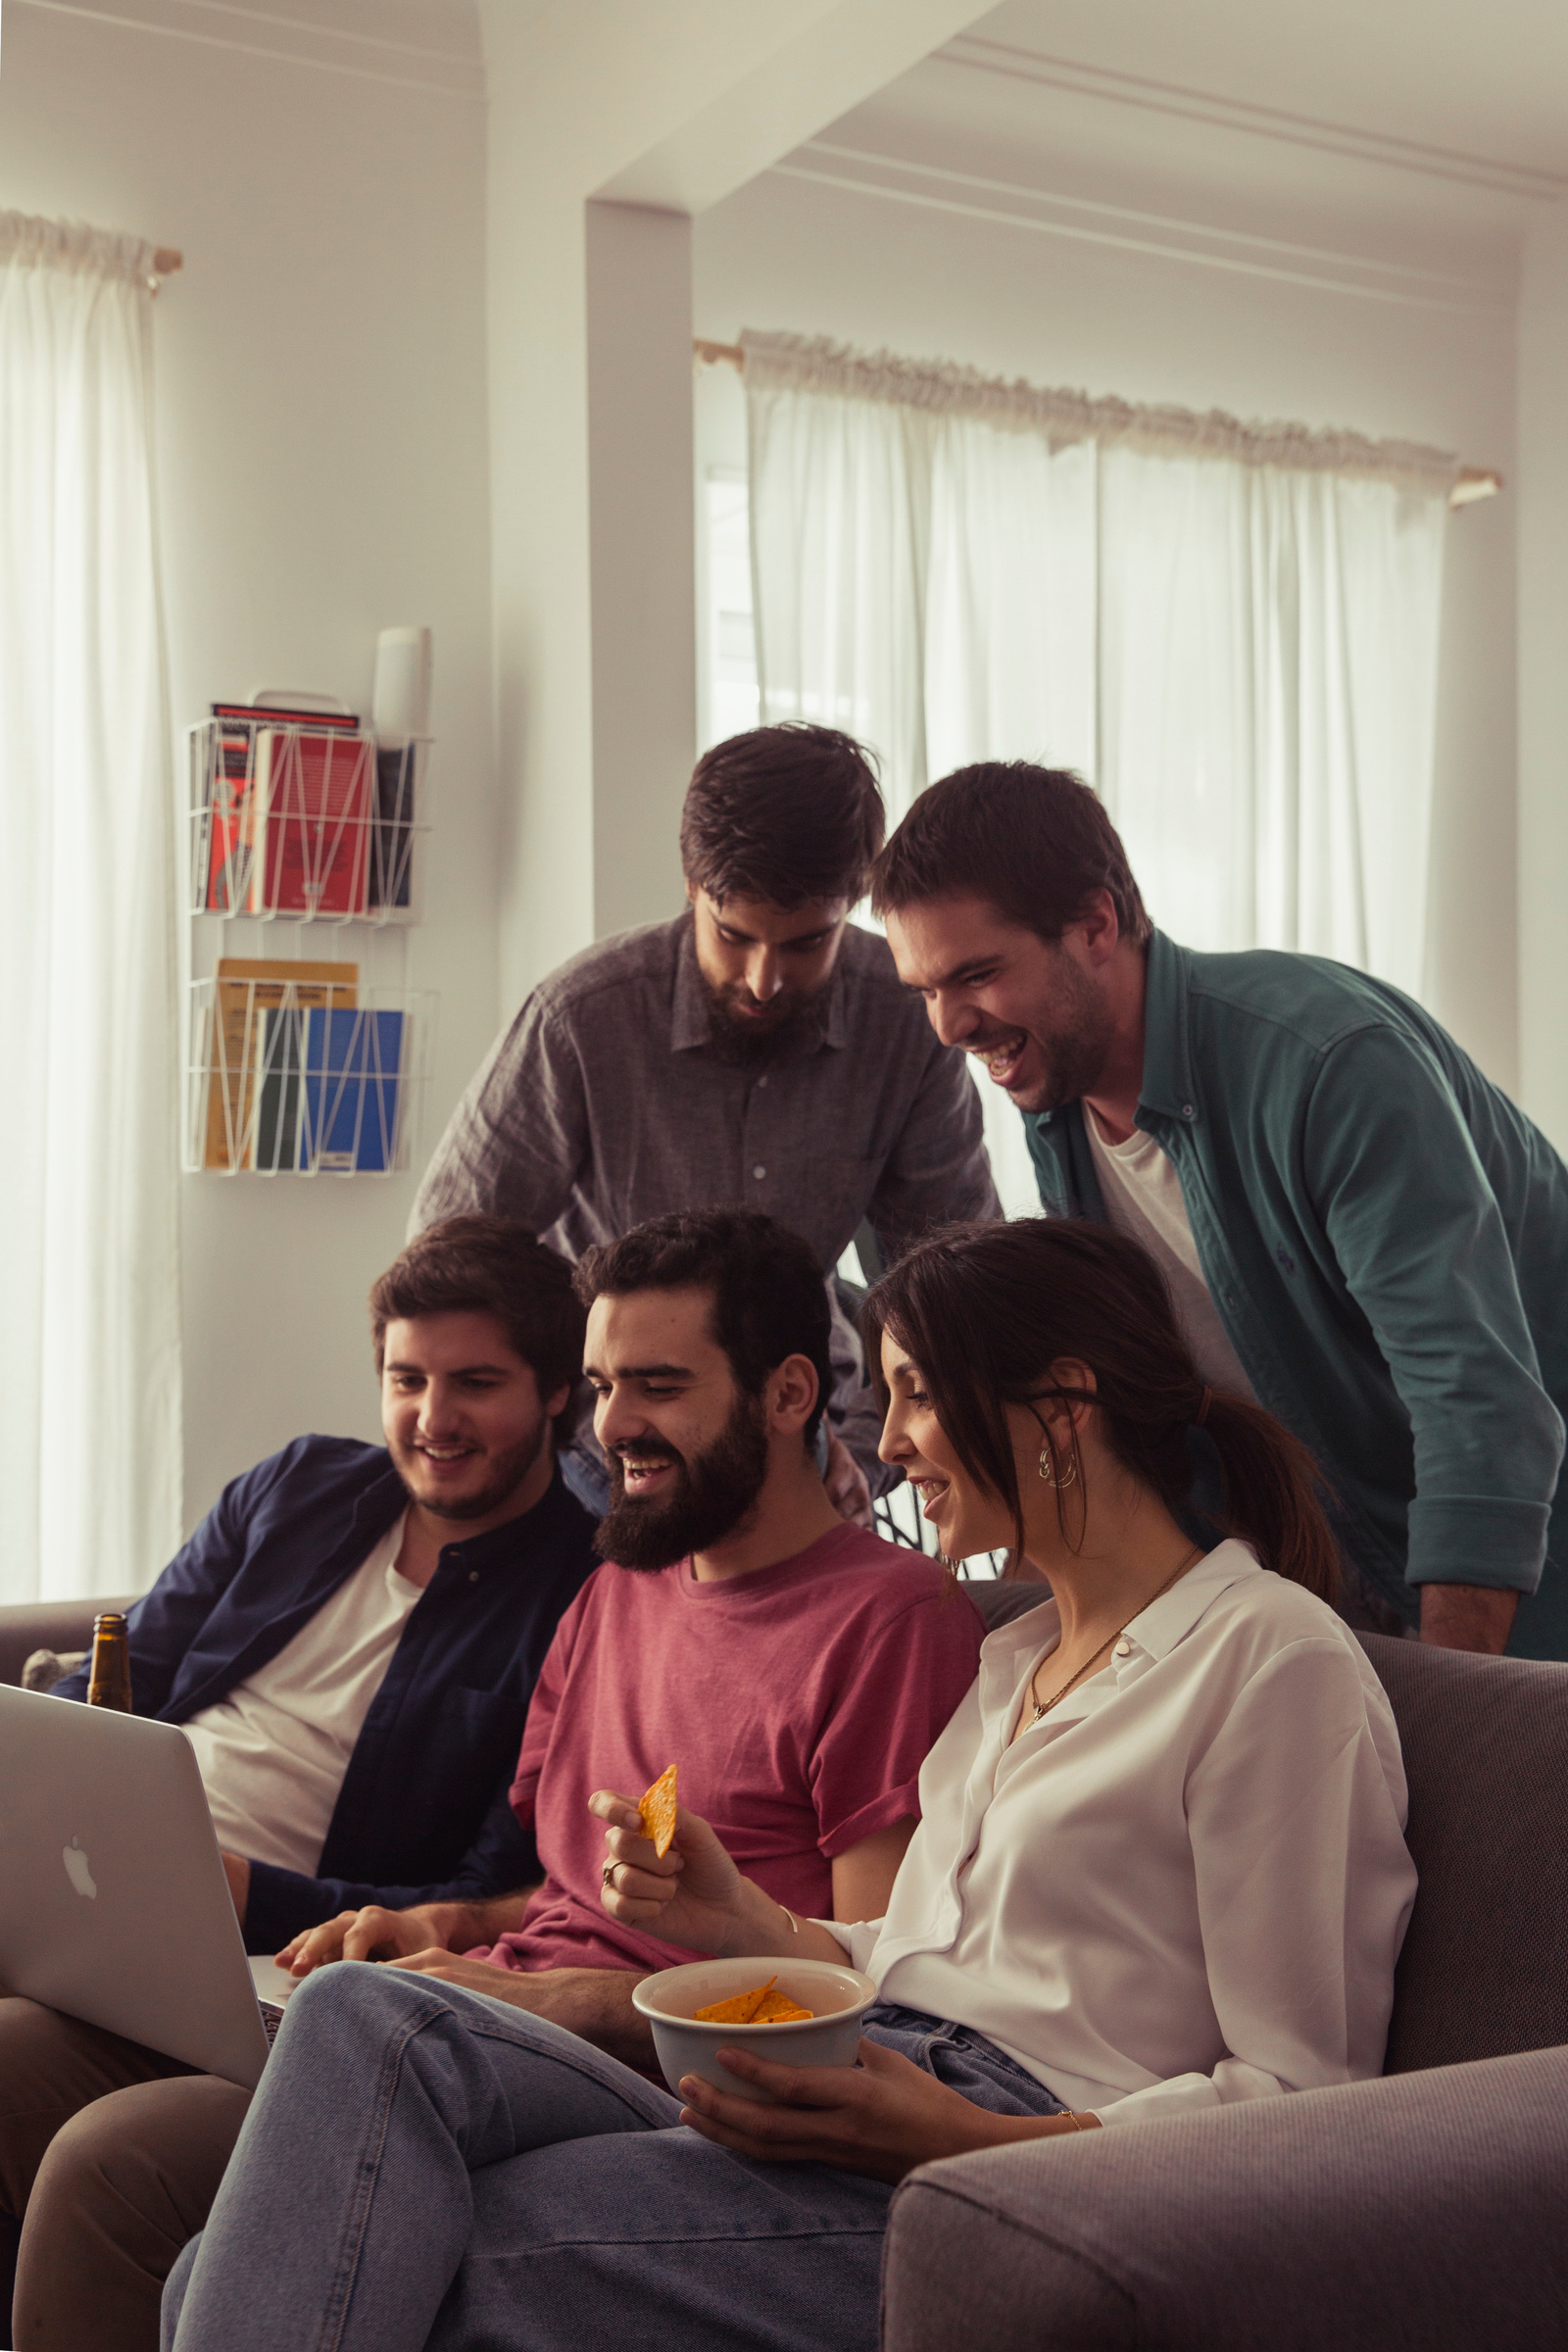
{"points": [[109, 1680]]}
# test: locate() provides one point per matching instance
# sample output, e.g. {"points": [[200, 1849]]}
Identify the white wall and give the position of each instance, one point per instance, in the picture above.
{"points": [[1544, 678], [322, 453], [796, 255]]}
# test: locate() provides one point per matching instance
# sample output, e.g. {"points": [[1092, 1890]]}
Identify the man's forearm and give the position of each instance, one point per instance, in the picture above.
{"points": [[594, 2002], [1477, 1617], [462, 1925]]}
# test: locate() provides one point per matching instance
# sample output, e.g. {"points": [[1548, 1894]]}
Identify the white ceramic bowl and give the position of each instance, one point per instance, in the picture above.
{"points": [[837, 1996]]}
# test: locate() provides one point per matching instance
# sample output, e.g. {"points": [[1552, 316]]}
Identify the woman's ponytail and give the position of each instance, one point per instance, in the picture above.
{"points": [[1271, 1492]]}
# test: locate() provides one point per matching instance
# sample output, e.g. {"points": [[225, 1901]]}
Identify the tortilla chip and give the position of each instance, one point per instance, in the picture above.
{"points": [[779, 2010], [658, 1809], [761, 2007], [739, 2010]]}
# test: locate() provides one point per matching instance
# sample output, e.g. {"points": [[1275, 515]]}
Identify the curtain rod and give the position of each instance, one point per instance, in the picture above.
{"points": [[1474, 482]]}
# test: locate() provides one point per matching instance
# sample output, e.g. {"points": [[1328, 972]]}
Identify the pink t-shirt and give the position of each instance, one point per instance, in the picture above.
{"points": [[799, 1704]]}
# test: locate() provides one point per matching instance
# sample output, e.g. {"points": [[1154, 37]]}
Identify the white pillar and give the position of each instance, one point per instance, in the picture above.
{"points": [[1541, 490], [643, 601], [643, 108]]}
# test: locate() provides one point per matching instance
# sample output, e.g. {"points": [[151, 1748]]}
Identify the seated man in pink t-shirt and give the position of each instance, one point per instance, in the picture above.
{"points": [[796, 1669]]}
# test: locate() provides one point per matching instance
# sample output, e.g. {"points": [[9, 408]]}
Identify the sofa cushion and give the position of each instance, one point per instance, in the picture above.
{"points": [[48, 1625], [1485, 1965], [1430, 2212]]}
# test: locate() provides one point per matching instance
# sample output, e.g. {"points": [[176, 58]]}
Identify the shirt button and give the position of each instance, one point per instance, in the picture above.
{"points": [[1123, 1649], [759, 1171], [762, 1081], [473, 1575], [1188, 1111]]}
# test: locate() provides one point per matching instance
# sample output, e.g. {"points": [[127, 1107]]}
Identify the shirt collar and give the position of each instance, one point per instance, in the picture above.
{"points": [[1167, 1084], [502, 1547], [1162, 1624], [688, 1015], [1168, 1619]]}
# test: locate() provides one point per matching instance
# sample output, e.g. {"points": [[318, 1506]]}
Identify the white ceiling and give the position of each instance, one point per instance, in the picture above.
{"points": [[1487, 82], [1409, 139]]}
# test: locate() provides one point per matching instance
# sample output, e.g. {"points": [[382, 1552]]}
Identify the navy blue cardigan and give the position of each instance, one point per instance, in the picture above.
{"points": [[423, 1815]]}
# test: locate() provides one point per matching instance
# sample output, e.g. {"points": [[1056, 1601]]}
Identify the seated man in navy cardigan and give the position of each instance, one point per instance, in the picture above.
{"points": [[350, 1640]]}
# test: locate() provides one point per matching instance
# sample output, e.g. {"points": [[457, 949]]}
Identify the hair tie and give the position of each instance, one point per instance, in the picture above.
{"points": [[1204, 1402]]}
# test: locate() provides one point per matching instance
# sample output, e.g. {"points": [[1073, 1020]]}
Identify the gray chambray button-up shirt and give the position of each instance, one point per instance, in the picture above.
{"points": [[604, 1104]]}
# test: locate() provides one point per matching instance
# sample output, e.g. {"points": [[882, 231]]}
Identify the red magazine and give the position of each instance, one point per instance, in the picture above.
{"points": [[314, 797], [230, 826]]}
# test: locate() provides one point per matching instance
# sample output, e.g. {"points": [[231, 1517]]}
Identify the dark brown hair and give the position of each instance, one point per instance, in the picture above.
{"points": [[984, 1311], [769, 1298], [785, 813], [1035, 843], [490, 1266]]}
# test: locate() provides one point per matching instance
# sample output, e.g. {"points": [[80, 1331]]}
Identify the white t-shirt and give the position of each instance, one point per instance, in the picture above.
{"points": [[272, 1753], [1188, 1885], [1143, 1196]]}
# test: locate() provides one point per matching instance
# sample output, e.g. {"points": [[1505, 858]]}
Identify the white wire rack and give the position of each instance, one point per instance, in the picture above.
{"points": [[312, 822], [307, 1072]]}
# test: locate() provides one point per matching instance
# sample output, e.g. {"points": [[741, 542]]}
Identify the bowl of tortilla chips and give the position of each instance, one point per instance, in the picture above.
{"points": [[796, 2012]]}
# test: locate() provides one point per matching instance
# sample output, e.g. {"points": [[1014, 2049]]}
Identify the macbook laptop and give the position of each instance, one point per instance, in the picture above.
{"points": [[114, 1906]]}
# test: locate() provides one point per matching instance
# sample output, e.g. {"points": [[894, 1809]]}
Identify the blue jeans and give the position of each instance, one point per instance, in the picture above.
{"points": [[422, 2166]]}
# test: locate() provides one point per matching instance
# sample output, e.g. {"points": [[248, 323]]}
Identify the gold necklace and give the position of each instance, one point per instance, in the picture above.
{"points": [[1043, 1706]]}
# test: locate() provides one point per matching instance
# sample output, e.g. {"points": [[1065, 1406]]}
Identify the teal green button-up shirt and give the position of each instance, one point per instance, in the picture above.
{"points": [[1385, 1237]]}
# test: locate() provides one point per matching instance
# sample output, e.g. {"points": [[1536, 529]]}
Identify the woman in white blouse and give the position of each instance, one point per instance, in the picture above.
{"points": [[1159, 1866]]}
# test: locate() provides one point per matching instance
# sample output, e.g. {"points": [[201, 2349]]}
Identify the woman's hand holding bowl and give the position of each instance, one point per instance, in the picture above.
{"points": [[883, 2116]]}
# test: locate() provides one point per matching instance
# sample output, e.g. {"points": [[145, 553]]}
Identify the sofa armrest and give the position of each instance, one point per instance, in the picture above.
{"points": [[48, 1625], [1426, 2209]]}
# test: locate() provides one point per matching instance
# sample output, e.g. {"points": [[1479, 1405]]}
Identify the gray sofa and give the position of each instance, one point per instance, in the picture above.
{"points": [[1425, 2212]]}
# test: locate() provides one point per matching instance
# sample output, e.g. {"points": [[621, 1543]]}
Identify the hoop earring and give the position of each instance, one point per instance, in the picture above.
{"points": [[1047, 1467]]}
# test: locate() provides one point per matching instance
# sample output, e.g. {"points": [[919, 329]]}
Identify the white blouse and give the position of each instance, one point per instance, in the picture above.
{"points": [[1188, 1885]]}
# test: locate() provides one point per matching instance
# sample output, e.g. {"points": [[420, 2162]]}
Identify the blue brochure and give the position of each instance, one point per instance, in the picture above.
{"points": [[348, 1098]]}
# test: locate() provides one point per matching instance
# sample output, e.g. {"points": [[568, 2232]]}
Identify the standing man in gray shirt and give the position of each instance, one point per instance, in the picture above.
{"points": [[756, 1052]]}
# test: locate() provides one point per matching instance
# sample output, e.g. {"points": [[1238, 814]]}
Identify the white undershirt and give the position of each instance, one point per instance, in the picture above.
{"points": [[1186, 1885], [272, 1753], [1143, 1196]]}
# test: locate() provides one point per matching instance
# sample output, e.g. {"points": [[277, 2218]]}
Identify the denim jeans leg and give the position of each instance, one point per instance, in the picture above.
{"points": [[347, 2206]]}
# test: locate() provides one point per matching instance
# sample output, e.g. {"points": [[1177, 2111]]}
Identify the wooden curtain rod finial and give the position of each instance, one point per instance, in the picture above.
{"points": [[716, 355], [167, 260], [1475, 481]]}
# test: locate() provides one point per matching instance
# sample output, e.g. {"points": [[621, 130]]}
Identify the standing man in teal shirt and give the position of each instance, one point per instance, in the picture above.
{"points": [[1357, 1228]]}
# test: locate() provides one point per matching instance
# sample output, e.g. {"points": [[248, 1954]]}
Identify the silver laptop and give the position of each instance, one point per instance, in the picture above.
{"points": [[114, 1906]]}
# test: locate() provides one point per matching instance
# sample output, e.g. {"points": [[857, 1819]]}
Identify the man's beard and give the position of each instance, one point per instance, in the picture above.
{"points": [[509, 1469], [714, 1497], [789, 1021], [1073, 1049]]}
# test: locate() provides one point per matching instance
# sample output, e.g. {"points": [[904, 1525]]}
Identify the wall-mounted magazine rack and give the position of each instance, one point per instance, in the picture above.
{"points": [[309, 1074], [310, 822]]}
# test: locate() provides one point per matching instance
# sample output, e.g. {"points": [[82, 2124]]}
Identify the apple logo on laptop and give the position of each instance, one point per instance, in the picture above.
{"points": [[76, 1870]]}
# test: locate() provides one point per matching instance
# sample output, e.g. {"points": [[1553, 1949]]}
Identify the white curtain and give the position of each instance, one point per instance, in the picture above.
{"points": [[91, 1462], [1231, 631]]}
